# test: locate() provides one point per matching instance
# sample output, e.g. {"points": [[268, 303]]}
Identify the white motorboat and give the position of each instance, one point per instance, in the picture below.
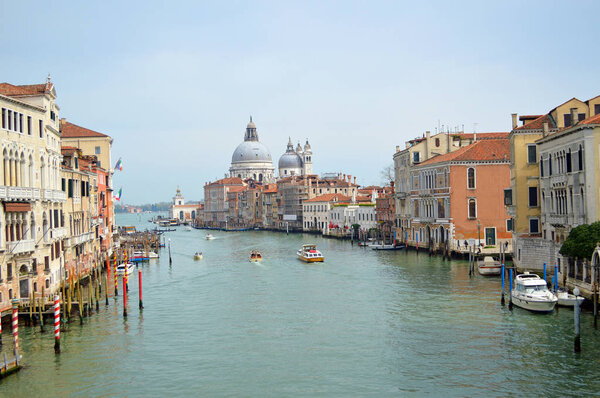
{"points": [[152, 255], [209, 237], [567, 299], [386, 247], [130, 267], [489, 266], [531, 293], [310, 254]]}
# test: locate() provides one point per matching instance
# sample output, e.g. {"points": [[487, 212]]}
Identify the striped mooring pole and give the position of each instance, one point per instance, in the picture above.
{"points": [[125, 293], [15, 326], [107, 266], [125, 282], [116, 280], [56, 324], [140, 287]]}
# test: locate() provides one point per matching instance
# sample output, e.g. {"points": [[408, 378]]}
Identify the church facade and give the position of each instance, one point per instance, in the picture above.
{"points": [[252, 159], [296, 162]]}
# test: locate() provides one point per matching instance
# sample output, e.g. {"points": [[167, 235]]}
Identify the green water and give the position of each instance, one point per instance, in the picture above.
{"points": [[363, 323]]}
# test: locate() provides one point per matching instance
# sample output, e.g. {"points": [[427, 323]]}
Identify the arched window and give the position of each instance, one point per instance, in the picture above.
{"points": [[260, 177], [472, 208], [550, 164], [437, 142], [471, 178], [580, 158]]}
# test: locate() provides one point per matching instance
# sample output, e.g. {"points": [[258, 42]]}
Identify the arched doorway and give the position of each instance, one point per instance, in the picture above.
{"points": [[23, 281], [442, 235], [428, 236]]}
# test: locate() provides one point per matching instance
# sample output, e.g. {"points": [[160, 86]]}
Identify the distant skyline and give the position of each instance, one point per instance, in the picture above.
{"points": [[174, 83]]}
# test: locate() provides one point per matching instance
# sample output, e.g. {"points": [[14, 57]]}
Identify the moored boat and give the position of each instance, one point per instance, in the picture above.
{"points": [[310, 254], [386, 247], [139, 257], [122, 268], [188, 228], [531, 293], [489, 266], [209, 237], [152, 255], [255, 256], [198, 256], [566, 299]]}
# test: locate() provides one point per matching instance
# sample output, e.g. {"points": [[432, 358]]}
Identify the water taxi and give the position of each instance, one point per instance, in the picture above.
{"points": [[310, 254], [139, 257], [489, 266], [209, 237], [121, 268], [198, 256], [531, 293], [255, 256]]}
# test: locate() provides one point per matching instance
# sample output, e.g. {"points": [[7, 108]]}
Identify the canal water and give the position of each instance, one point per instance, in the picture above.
{"points": [[363, 323]]}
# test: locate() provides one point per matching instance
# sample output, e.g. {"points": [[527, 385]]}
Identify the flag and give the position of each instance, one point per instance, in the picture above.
{"points": [[119, 165], [118, 195]]}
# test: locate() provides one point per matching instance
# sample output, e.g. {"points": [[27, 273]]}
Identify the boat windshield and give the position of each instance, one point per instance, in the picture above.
{"points": [[538, 288]]}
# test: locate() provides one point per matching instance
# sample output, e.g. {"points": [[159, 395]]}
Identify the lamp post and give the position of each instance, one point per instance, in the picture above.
{"points": [[478, 233]]}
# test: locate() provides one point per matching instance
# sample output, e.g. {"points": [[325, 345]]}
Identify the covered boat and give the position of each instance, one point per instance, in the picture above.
{"points": [[255, 256]]}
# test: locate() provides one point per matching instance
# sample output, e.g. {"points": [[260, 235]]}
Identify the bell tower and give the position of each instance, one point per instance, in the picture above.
{"points": [[307, 159]]}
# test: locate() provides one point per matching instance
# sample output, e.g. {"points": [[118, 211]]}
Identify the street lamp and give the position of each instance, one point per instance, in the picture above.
{"points": [[478, 233]]}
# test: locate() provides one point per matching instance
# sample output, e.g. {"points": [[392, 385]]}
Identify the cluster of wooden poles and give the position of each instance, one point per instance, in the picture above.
{"points": [[72, 297]]}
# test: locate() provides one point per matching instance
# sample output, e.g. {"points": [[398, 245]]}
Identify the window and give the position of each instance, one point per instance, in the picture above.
{"points": [[70, 193], [569, 168], [63, 185], [437, 142], [508, 197], [533, 196], [550, 164], [29, 126], [541, 166], [4, 118], [534, 226], [509, 224], [20, 122], [97, 150], [531, 154], [41, 128], [416, 157], [580, 117], [580, 158], [472, 209], [471, 178], [567, 119], [596, 109], [10, 120]]}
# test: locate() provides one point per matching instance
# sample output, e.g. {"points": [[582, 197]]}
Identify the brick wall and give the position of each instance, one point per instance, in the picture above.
{"points": [[530, 253]]}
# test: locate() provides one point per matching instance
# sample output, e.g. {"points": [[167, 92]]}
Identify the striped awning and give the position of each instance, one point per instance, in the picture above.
{"points": [[17, 206]]}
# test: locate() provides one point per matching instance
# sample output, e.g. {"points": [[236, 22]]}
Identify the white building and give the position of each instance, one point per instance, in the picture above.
{"points": [[315, 212], [181, 211], [252, 159]]}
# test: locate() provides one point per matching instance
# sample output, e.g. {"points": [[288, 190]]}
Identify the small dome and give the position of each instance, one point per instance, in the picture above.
{"points": [[290, 160], [307, 146], [251, 151]]}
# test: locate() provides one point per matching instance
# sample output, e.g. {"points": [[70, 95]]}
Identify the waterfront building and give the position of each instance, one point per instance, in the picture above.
{"points": [[569, 182], [252, 159], [31, 233], [270, 204], [315, 212], [184, 212], [295, 162], [82, 247], [357, 211], [458, 197], [216, 205], [385, 212], [105, 215], [416, 151], [522, 196]]}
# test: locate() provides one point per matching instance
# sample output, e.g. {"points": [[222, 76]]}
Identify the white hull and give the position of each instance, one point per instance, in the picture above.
{"points": [[487, 270], [535, 305], [568, 300], [152, 255], [121, 269]]}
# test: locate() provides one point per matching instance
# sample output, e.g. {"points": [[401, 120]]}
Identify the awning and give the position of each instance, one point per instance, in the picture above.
{"points": [[17, 206]]}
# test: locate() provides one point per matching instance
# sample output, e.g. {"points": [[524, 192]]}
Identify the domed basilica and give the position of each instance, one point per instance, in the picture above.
{"points": [[252, 159]]}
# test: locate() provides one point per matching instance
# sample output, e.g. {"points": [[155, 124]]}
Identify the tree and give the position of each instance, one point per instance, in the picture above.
{"points": [[387, 174], [582, 241]]}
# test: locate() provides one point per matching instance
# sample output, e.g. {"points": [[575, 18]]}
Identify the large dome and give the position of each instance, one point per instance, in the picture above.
{"points": [[290, 160], [251, 151]]}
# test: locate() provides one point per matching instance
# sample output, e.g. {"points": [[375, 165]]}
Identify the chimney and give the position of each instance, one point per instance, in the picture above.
{"points": [[344, 179], [349, 178], [545, 132], [355, 180], [427, 137], [474, 136], [397, 148], [573, 116], [514, 120], [62, 120]]}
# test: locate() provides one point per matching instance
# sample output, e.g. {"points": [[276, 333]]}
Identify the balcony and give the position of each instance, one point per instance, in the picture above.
{"points": [[21, 246], [59, 232], [77, 200], [425, 192], [79, 239], [557, 219], [559, 180], [19, 193], [54, 195]]}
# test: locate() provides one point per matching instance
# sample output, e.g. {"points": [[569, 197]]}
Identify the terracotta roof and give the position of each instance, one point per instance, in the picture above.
{"points": [[237, 189], [328, 197], [228, 181], [481, 136], [538, 124], [484, 150], [30, 89], [70, 130], [591, 120]]}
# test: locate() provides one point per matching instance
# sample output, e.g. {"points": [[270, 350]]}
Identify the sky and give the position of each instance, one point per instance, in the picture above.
{"points": [[175, 82]]}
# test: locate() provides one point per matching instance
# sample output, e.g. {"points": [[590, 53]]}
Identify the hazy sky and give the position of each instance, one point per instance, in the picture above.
{"points": [[175, 82]]}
